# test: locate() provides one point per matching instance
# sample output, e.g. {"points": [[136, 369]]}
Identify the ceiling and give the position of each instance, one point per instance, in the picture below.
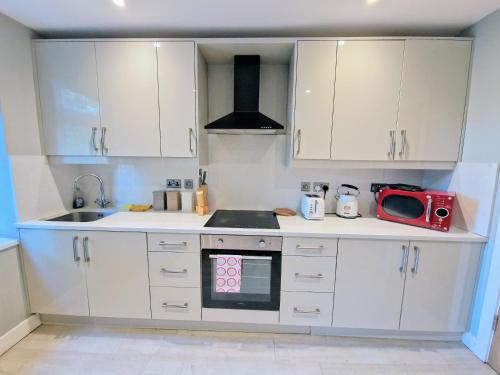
{"points": [[219, 18]]}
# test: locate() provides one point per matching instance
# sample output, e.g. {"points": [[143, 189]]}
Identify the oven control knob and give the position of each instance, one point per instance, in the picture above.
{"points": [[220, 242], [262, 244]]}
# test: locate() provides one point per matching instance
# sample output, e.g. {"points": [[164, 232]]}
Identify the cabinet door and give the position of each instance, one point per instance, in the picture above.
{"points": [[128, 91], [55, 272], [433, 95], [69, 102], [367, 86], [439, 286], [117, 275], [369, 284], [177, 93], [314, 90]]}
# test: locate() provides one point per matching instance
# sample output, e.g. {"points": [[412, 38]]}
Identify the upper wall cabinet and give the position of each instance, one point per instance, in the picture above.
{"points": [[69, 99], [433, 98], [128, 93], [177, 90], [314, 90], [366, 99]]}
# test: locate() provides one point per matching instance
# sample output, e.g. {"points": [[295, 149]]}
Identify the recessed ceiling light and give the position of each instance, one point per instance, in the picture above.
{"points": [[119, 3], [370, 2]]}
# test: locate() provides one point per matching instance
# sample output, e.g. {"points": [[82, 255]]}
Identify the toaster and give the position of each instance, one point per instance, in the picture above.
{"points": [[312, 207]]}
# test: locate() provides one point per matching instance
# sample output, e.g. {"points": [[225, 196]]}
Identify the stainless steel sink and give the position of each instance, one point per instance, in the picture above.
{"points": [[81, 216]]}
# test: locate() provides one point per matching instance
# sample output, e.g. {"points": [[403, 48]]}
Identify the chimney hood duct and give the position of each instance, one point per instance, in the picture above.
{"points": [[246, 118]]}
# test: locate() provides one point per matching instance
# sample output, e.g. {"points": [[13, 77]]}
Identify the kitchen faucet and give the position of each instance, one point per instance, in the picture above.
{"points": [[102, 201]]}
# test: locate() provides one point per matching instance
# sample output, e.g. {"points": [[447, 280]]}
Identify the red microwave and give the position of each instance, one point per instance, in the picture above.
{"points": [[428, 209]]}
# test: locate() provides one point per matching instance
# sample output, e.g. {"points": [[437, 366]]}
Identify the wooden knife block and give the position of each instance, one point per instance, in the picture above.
{"points": [[202, 200]]}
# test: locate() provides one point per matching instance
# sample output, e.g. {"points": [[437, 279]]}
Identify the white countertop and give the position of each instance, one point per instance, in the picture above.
{"points": [[295, 226], [7, 243]]}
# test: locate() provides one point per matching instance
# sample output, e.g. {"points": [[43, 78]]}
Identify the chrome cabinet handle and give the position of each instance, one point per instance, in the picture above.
{"points": [[429, 209], [404, 261], [298, 310], [76, 257], [179, 243], [414, 269], [300, 247], [392, 144], [402, 152], [299, 141], [167, 305], [86, 254], [191, 135], [309, 276], [164, 270], [104, 149], [94, 145]]}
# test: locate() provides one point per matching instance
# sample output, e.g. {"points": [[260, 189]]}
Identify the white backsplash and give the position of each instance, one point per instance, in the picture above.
{"points": [[245, 172]]}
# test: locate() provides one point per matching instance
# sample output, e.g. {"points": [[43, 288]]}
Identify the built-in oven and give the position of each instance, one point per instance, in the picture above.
{"points": [[241, 272]]}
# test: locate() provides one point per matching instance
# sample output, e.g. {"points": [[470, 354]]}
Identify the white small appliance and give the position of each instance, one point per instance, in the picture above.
{"points": [[312, 207], [347, 201]]}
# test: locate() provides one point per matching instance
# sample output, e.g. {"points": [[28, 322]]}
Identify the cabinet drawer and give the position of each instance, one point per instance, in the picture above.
{"points": [[308, 274], [186, 243], [176, 303], [174, 269], [314, 247], [306, 309]]}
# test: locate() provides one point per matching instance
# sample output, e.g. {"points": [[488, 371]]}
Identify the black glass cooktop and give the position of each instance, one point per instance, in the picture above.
{"points": [[243, 219]]}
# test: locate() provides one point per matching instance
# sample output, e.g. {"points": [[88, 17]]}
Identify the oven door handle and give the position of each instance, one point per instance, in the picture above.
{"points": [[245, 257]]}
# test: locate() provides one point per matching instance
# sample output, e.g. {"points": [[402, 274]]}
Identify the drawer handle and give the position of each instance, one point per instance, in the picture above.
{"points": [[306, 276], [164, 270], [298, 310], [180, 243], [166, 305], [300, 247]]}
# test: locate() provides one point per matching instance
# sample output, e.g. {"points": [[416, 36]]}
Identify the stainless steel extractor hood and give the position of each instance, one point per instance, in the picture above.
{"points": [[246, 118]]}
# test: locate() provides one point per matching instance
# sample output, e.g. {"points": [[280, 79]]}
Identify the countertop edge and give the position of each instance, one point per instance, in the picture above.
{"points": [[7, 243]]}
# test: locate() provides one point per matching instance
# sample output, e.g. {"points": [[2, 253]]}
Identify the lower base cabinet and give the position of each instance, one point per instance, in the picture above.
{"points": [[176, 303], [407, 285], [87, 273], [306, 309]]}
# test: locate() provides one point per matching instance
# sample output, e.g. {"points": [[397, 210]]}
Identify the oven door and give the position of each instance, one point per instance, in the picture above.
{"points": [[259, 282], [405, 207]]}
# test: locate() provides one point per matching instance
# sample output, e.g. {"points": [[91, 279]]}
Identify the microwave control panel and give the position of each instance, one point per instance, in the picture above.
{"points": [[441, 209]]}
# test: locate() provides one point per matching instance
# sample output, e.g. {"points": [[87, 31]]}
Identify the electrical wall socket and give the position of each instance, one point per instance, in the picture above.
{"points": [[188, 184], [305, 186], [174, 183], [318, 186]]}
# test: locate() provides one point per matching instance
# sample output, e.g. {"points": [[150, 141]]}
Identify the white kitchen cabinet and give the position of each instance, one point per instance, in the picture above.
{"points": [[306, 309], [433, 98], [439, 286], [369, 284], [310, 246], [177, 98], [176, 303], [101, 274], [308, 274], [128, 93], [68, 94], [174, 269], [117, 274], [55, 272], [314, 92], [367, 82]]}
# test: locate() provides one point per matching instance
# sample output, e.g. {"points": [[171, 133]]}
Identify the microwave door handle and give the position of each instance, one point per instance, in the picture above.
{"points": [[315, 207], [429, 210]]}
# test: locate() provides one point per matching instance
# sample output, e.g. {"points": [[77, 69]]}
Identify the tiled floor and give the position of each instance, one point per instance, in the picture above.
{"points": [[95, 350]]}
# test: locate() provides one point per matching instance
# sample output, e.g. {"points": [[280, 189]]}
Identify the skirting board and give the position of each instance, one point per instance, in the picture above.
{"points": [[16, 334], [246, 327]]}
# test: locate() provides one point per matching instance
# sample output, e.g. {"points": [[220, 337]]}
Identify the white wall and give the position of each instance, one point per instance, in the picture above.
{"points": [[17, 89], [481, 144]]}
